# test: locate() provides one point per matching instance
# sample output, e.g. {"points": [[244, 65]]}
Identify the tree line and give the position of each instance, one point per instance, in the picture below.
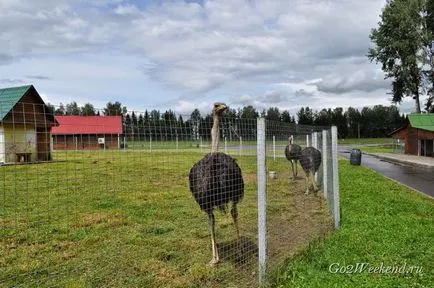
{"points": [[367, 122]]}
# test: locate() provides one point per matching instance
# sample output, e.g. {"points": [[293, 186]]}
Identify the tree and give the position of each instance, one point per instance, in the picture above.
{"points": [[353, 122], [429, 107], [88, 110], [195, 123], [60, 110], [323, 118], [340, 121], [305, 116], [286, 117], [115, 109], [72, 109], [400, 45], [273, 114], [249, 112], [50, 109]]}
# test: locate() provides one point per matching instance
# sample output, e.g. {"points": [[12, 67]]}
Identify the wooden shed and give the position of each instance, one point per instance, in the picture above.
{"points": [[25, 126], [417, 134], [87, 132]]}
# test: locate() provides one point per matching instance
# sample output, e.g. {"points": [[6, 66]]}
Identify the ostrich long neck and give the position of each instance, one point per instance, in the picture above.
{"points": [[215, 133]]}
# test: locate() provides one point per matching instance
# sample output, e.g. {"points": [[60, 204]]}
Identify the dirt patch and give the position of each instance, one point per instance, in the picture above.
{"points": [[250, 178], [294, 218]]}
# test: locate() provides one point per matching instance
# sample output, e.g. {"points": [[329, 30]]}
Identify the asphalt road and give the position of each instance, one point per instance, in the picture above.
{"points": [[421, 179]]}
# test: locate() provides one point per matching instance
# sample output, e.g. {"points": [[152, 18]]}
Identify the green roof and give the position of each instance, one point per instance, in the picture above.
{"points": [[422, 121], [9, 97]]}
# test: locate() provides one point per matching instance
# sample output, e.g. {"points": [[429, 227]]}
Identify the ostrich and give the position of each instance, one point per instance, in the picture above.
{"points": [[292, 153], [310, 160], [215, 181]]}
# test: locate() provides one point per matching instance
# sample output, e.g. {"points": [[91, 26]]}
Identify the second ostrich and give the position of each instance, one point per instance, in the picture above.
{"points": [[215, 181], [310, 160], [292, 153]]}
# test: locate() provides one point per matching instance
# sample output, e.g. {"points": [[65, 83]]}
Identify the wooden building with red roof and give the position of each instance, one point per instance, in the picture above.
{"points": [[87, 132]]}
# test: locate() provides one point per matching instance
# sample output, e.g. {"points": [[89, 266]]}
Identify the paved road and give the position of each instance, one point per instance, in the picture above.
{"points": [[421, 179]]}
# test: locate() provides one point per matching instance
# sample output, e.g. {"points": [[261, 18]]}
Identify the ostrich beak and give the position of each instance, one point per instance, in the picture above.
{"points": [[220, 107]]}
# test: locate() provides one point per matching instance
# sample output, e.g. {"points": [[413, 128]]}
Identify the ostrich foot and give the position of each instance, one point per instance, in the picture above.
{"points": [[213, 262]]}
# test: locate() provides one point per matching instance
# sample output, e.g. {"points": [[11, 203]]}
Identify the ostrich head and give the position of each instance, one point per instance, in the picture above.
{"points": [[219, 108], [217, 112], [290, 139]]}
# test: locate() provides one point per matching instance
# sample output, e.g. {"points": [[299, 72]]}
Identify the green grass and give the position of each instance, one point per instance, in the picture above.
{"points": [[386, 148], [365, 141], [383, 223], [127, 219]]}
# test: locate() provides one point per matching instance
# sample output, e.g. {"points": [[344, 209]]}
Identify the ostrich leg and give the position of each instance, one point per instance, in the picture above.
{"points": [[295, 164], [292, 168], [315, 187], [215, 253], [307, 182], [234, 213]]}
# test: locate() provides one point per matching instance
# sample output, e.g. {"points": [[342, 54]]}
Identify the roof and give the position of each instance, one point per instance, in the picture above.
{"points": [[87, 125], [9, 97], [422, 121]]}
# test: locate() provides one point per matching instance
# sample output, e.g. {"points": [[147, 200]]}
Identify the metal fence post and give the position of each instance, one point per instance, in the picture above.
{"points": [[274, 148], [336, 205], [262, 200], [226, 145], [315, 145], [324, 163]]}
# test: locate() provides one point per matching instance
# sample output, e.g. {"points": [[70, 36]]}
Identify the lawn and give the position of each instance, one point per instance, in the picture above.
{"points": [[386, 148], [127, 219], [383, 224], [361, 141]]}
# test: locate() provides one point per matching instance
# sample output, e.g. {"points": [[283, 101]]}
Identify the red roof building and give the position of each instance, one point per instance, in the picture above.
{"points": [[87, 132]]}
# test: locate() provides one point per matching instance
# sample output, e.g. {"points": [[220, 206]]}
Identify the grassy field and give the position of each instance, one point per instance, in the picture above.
{"points": [[383, 224], [365, 141], [386, 148], [127, 219]]}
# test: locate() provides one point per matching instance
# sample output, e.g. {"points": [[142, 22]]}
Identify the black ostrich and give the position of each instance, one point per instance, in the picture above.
{"points": [[310, 161], [293, 153], [215, 181]]}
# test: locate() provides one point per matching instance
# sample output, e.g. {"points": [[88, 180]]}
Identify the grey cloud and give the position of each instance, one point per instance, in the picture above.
{"points": [[345, 84], [11, 81], [38, 77], [272, 97], [301, 93]]}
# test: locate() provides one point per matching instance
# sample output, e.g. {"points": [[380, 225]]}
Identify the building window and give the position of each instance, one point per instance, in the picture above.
{"points": [[427, 147]]}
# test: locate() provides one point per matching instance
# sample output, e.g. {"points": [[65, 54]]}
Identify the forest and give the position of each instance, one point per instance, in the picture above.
{"points": [[367, 122]]}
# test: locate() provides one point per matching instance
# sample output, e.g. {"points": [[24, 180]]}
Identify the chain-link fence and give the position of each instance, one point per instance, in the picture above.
{"points": [[152, 200]]}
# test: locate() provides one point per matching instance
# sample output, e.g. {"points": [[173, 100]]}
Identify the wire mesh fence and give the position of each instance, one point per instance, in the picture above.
{"points": [[296, 212], [147, 200]]}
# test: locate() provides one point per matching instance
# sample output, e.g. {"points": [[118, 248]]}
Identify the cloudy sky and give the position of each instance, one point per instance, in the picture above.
{"points": [[184, 54]]}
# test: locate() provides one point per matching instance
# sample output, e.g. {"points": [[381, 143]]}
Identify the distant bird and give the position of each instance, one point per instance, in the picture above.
{"points": [[293, 153], [310, 160], [215, 181]]}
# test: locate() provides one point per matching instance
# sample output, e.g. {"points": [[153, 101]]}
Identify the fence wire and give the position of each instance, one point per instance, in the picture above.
{"points": [[130, 201], [295, 216]]}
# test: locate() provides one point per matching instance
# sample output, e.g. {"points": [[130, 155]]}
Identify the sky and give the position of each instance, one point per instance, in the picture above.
{"points": [[182, 55]]}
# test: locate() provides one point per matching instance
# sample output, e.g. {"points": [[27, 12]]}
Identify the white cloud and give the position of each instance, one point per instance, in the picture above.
{"points": [[270, 52]]}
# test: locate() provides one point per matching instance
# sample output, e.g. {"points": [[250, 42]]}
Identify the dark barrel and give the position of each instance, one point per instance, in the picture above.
{"points": [[356, 157]]}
